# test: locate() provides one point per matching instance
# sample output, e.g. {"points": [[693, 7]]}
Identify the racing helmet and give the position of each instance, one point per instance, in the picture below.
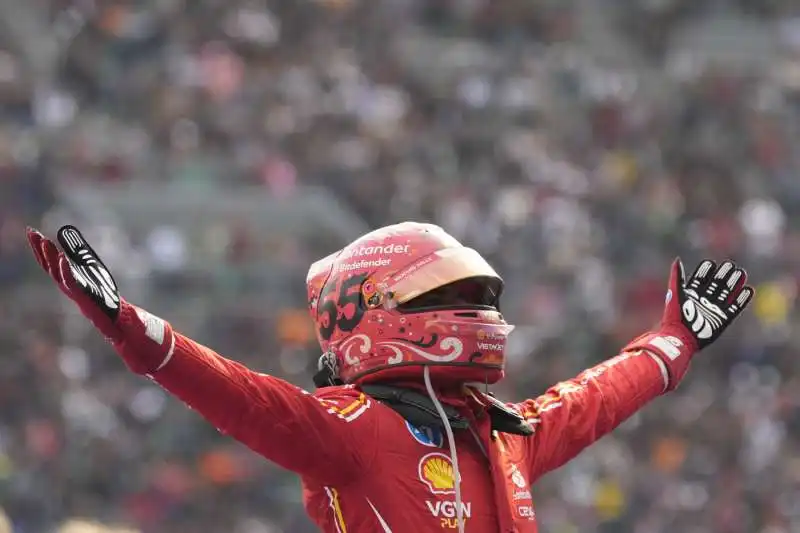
{"points": [[405, 297]]}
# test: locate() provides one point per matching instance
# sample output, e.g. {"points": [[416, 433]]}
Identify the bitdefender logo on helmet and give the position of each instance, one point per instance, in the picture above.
{"points": [[361, 265]]}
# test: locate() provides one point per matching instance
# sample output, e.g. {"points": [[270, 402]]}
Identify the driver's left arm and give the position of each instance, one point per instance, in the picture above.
{"points": [[575, 413]]}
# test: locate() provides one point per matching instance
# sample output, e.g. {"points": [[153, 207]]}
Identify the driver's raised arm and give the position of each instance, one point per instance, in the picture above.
{"points": [[573, 414], [309, 434]]}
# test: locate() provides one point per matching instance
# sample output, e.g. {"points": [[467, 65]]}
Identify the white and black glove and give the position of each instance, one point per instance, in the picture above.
{"points": [[696, 312], [711, 299], [144, 341]]}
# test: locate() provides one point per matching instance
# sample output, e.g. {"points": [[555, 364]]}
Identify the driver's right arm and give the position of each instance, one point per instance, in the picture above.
{"points": [[328, 438], [324, 437]]}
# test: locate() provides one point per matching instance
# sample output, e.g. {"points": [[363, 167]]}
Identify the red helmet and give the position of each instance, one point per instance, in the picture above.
{"points": [[407, 296]]}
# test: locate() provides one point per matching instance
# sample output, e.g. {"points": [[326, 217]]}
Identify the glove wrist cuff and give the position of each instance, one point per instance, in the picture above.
{"points": [[147, 343], [672, 346]]}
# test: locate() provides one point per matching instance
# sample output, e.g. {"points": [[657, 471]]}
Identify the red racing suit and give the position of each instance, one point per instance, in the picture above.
{"points": [[365, 470]]}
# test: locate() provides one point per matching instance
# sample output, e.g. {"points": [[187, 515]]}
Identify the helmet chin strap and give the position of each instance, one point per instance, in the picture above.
{"points": [[451, 440]]}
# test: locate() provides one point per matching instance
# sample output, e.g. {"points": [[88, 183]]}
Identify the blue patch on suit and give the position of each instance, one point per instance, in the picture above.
{"points": [[427, 436]]}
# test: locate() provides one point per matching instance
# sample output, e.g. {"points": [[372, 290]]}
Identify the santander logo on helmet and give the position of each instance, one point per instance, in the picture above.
{"points": [[407, 296]]}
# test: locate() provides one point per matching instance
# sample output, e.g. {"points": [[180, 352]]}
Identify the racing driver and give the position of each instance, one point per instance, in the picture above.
{"points": [[400, 435]]}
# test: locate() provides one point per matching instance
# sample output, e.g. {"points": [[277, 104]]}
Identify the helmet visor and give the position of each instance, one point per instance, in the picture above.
{"points": [[440, 268]]}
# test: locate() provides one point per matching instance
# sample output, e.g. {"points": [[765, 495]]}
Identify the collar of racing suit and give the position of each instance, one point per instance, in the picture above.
{"points": [[414, 404]]}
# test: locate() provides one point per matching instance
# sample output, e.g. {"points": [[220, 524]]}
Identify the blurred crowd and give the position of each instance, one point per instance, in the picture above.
{"points": [[580, 151]]}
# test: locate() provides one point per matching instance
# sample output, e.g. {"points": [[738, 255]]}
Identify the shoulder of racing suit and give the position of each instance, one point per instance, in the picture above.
{"points": [[345, 401]]}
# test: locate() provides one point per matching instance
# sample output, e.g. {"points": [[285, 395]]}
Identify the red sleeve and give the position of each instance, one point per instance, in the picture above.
{"points": [[573, 414], [314, 435]]}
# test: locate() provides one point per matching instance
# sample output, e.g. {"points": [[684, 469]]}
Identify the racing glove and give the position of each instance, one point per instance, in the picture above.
{"points": [[697, 311], [145, 342]]}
